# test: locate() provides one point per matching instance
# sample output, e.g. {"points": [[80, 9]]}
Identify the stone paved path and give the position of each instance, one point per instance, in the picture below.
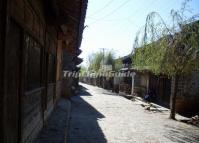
{"points": [[99, 116], [55, 131]]}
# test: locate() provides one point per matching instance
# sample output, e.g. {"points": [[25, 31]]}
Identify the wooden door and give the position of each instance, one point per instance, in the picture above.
{"points": [[2, 36], [12, 83]]}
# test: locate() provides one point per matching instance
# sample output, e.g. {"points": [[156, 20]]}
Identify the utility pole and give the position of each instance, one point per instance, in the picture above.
{"points": [[103, 55], [103, 50]]}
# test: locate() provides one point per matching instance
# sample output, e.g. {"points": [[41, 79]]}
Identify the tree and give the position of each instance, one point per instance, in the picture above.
{"points": [[118, 64], [109, 59], [97, 59], [171, 50], [83, 69]]}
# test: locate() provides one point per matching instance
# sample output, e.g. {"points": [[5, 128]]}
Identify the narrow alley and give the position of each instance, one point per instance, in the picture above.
{"points": [[99, 116], [99, 71]]}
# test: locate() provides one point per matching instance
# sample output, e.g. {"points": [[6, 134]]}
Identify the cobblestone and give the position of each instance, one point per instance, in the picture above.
{"points": [[99, 116], [55, 131]]}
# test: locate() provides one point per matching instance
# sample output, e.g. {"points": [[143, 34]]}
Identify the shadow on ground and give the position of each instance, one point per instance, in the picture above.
{"points": [[180, 135], [55, 127], [83, 91], [84, 127], [108, 93], [82, 87]]}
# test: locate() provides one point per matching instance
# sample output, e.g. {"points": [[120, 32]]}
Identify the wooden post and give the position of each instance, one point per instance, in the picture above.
{"points": [[3, 29], [132, 86]]}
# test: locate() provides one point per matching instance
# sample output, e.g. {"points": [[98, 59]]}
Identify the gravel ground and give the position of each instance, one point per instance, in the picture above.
{"points": [[99, 116]]}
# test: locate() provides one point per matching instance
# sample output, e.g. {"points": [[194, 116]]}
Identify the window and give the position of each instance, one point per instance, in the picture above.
{"points": [[32, 63], [51, 68]]}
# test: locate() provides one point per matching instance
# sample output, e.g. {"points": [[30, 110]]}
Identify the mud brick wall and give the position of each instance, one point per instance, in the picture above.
{"points": [[188, 93]]}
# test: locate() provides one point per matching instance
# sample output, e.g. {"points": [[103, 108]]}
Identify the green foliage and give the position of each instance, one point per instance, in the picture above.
{"points": [[182, 56], [118, 64], [95, 61], [99, 58], [83, 70], [170, 50], [148, 57], [109, 58]]}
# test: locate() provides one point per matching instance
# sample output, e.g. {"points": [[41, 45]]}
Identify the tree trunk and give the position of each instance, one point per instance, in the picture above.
{"points": [[173, 96]]}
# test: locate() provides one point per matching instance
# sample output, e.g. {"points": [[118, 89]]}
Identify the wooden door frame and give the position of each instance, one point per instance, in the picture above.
{"points": [[3, 29], [19, 83]]}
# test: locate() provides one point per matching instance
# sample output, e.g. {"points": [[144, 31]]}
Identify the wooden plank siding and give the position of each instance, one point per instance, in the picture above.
{"points": [[31, 59], [3, 14], [12, 82]]}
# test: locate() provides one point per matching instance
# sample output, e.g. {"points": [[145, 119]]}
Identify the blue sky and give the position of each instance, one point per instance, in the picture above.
{"points": [[112, 24]]}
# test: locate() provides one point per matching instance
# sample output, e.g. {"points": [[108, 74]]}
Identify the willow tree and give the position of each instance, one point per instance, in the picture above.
{"points": [[109, 59], [118, 64], [171, 50], [99, 58], [95, 60]]}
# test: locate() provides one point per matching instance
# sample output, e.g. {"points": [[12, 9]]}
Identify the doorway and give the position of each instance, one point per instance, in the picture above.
{"points": [[12, 80]]}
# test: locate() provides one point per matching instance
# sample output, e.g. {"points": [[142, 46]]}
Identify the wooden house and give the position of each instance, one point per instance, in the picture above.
{"points": [[35, 39]]}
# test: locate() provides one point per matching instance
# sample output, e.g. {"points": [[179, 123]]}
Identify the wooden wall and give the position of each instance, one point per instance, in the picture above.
{"points": [[12, 83], [141, 83], [32, 116], [27, 110], [24, 110], [2, 35], [161, 85]]}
